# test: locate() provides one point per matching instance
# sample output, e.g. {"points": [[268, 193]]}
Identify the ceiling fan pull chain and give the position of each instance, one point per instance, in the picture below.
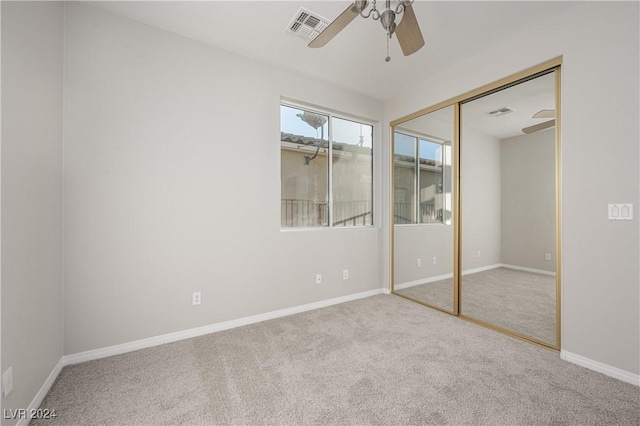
{"points": [[388, 58]]}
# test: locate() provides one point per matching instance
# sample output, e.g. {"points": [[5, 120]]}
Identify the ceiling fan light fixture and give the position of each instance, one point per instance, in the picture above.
{"points": [[397, 17], [387, 19], [390, 17]]}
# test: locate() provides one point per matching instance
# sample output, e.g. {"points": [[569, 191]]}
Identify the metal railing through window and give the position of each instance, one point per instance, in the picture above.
{"points": [[403, 213], [297, 213]]}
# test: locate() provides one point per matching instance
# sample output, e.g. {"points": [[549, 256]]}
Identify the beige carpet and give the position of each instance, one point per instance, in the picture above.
{"points": [[519, 301], [382, 360]]}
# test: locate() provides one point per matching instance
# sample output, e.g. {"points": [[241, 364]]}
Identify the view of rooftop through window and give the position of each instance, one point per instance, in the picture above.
{"points": [[342, 131], [326, 170]]}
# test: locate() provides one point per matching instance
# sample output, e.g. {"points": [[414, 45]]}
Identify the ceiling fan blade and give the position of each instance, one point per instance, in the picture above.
{"points": [[537, 127], [336, 26], [408, 32]]}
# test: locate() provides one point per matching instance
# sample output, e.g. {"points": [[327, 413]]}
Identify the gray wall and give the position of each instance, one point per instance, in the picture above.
{"points": [[480, 199], [599, 42], [172, 185], [528, 200], [424, 242], [31, 195]]}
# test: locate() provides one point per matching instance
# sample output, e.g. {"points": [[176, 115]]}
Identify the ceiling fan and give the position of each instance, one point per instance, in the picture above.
{"points": [[545, 113], [407, 31]]}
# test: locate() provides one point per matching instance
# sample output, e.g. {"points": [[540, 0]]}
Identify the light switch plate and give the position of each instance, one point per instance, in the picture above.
{"points": [[621, 211]]}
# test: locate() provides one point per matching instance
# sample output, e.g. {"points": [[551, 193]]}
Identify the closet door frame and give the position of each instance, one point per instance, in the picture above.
{"points": [[554, 65]]}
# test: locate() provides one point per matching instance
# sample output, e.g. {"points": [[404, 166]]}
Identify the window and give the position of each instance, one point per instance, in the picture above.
{"points": [[326, 170], [419, 179]]}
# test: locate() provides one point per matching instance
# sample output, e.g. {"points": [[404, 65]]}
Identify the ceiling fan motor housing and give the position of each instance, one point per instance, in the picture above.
{"points": [[401, 19]]}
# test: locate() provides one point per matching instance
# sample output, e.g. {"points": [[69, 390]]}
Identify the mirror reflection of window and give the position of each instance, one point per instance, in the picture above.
{"points": [[419, 171], [405, 179], [423, 196], [431, 178]]}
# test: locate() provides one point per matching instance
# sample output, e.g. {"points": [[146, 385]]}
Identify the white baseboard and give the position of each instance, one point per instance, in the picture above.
{"points": [[409, 284], [525, 269], [481, 269], [42, 392], [600, 367], [199, 331], [608, 370], [422, 281], [386, 290]]}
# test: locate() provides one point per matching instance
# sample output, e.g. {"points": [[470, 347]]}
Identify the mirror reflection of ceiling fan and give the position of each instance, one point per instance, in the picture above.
{"points": [[407, 31], [545, 113]]}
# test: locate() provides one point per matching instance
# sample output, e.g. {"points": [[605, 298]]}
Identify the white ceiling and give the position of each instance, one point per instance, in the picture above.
{"points": [[525, 99], [453, 31]]}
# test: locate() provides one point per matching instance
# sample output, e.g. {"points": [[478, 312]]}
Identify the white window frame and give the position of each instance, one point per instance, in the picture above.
{"points": [[353, 118]]}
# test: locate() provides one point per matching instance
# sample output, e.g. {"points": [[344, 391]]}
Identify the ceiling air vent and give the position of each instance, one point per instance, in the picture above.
{"points": [[501, 111], [307, 24]]}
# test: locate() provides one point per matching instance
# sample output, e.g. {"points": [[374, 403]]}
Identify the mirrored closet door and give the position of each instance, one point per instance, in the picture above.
{"points": [[475, 206], [423, 209], [508, 205]]}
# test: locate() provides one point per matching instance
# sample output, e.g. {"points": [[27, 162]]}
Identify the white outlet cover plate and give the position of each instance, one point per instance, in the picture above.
{"points": [[621, 211]]}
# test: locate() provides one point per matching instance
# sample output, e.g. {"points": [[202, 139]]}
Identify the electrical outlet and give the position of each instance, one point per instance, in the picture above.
{"points": [[318, 278], [547, 256], [419, 263], [345, 274], [621, 211], [478, 253], [435, 260], [7, 381], [196, 298]]}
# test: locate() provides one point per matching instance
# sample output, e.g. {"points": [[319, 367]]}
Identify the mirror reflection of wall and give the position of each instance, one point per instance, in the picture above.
{"points": [[423, 231], [508, 205]]}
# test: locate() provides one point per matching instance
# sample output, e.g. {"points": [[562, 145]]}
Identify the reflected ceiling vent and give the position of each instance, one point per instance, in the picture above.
{"points": [[501, 111], [307, 24]]}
